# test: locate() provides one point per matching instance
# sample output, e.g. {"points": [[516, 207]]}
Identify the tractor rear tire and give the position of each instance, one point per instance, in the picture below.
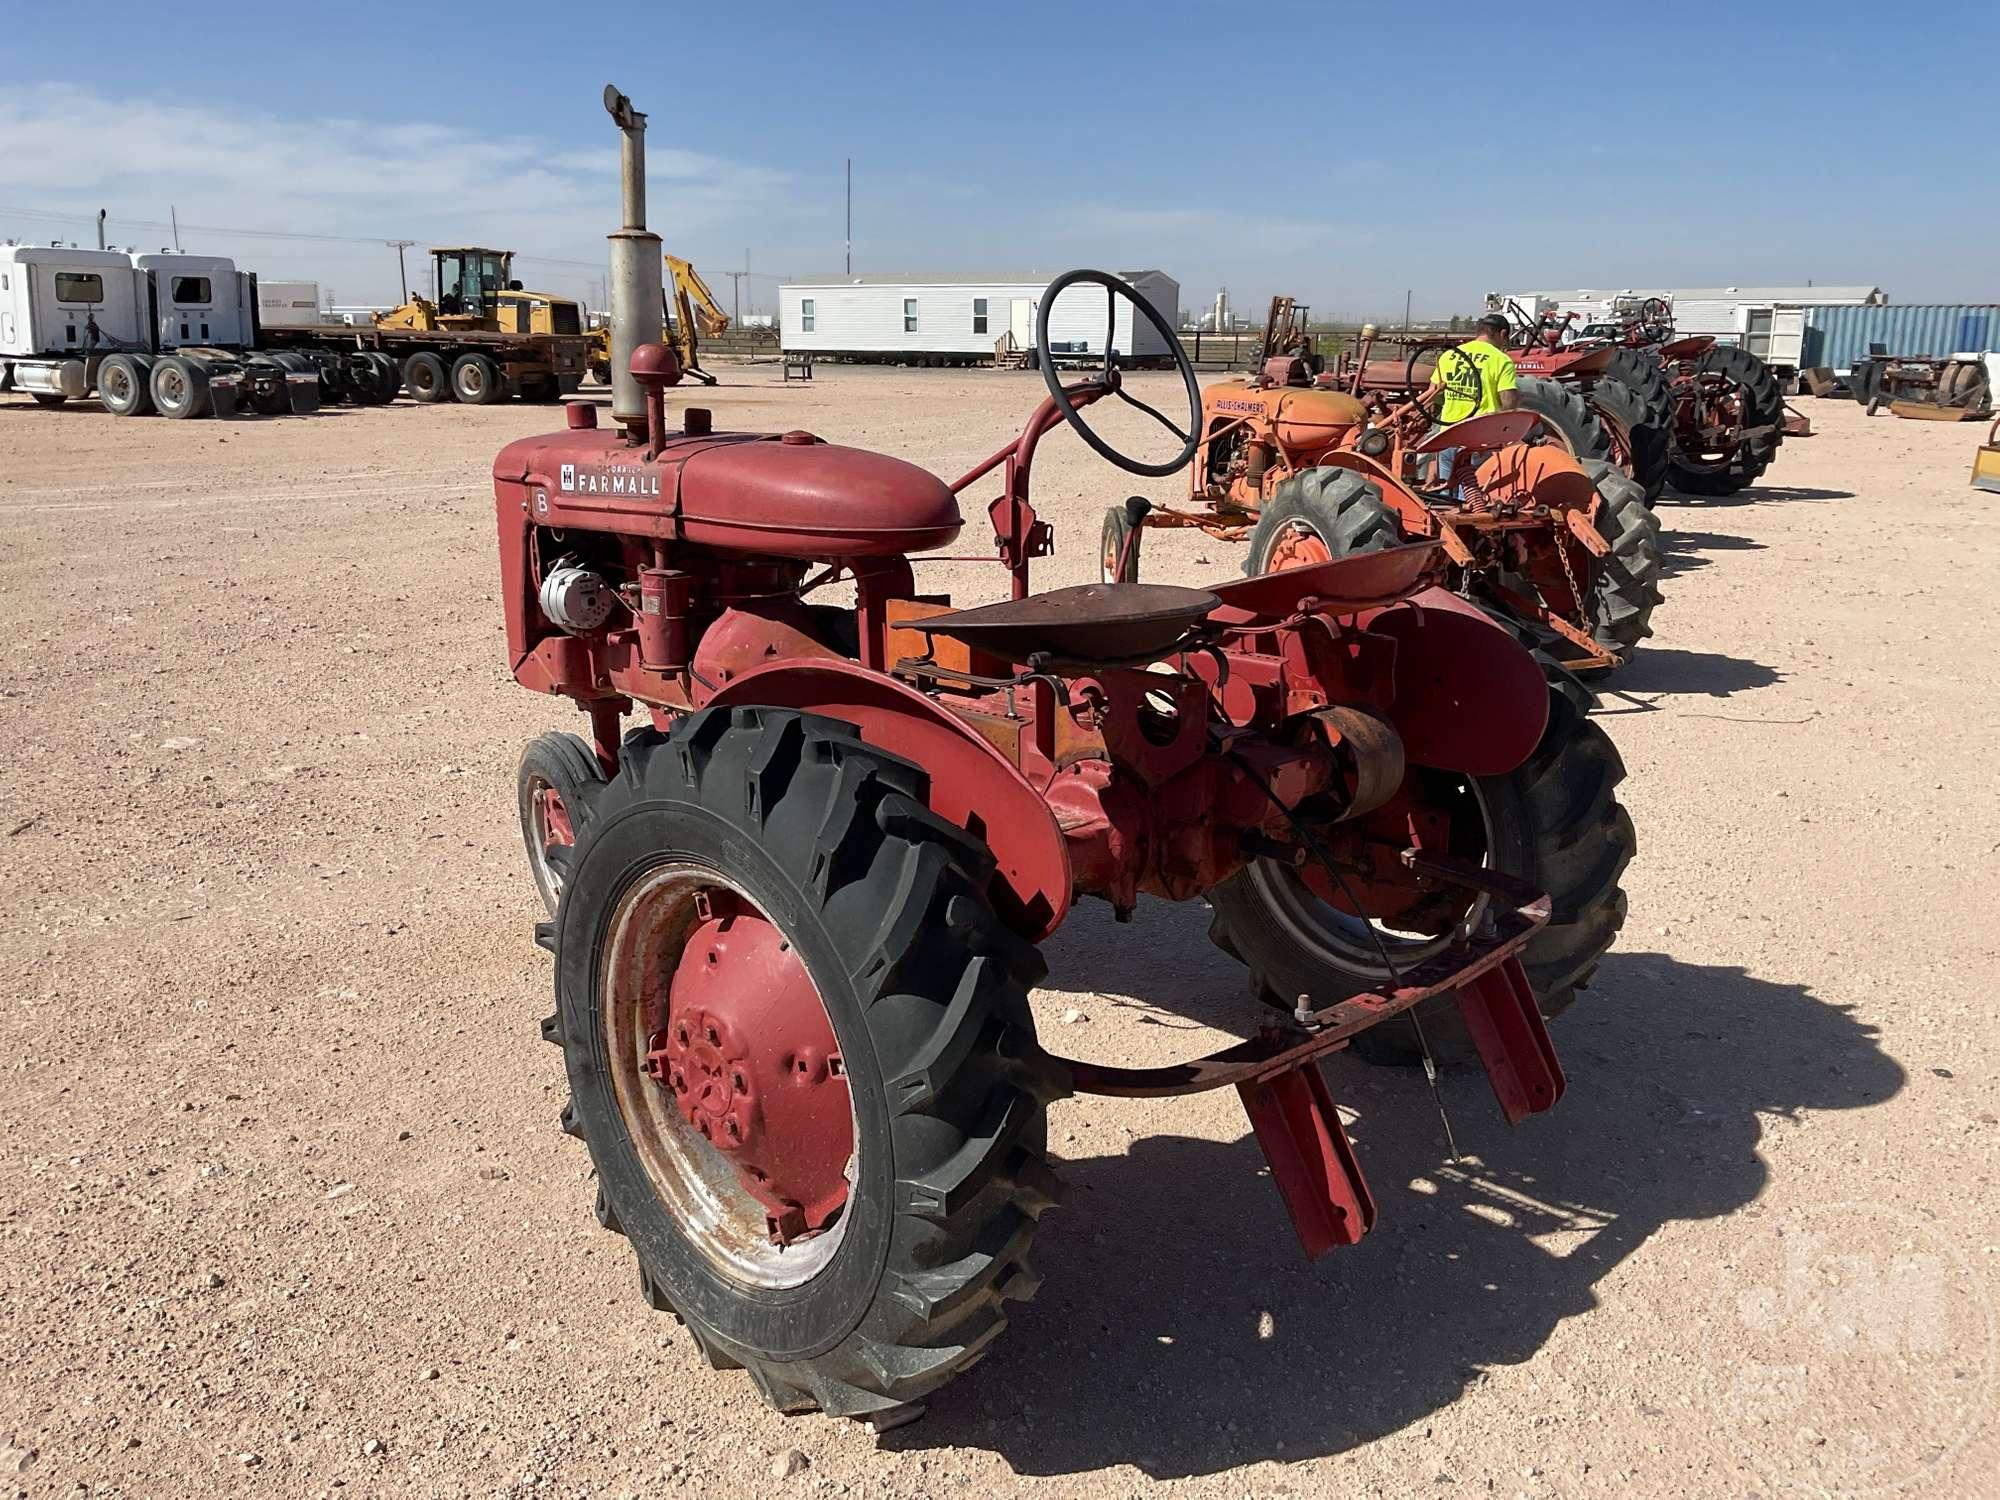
{"points": [[925, 993], [1554, 821], [179, 387], [1339, 508], [1636, 425], [124, 385], [425, 378], [1565, 407], [559, 777], [1864, 381], [1627, 583], [1763, 406], [475, 381], [1645, 380]]}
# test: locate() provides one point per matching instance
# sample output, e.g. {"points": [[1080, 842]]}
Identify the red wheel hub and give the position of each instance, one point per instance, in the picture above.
{"points": [[746, 1049], [1298, 547], [557, 830]]}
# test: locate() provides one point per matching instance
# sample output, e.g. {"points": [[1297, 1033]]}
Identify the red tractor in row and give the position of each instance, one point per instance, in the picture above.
{"points": [[1702, 417], [1556, 542], [797, 874], [1719, 409]]}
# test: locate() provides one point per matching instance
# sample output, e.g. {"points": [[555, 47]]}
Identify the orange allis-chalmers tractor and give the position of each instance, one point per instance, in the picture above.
{"points": [[797, 876], [1565, 549]]}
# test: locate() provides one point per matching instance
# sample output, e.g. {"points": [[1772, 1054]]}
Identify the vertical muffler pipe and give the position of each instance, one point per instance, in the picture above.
{"points": [[635, 270]]}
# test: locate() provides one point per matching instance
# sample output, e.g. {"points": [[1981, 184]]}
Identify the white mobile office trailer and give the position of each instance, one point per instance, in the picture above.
{"points": [[166, 333], [961, 320], [1769, 321]]}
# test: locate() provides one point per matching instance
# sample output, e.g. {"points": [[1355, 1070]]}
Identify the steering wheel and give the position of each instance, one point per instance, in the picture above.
{"points": [[1110, 381]]}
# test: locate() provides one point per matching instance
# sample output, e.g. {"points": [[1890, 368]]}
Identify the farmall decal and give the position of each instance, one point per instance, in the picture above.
{"points": [[617, 479]]}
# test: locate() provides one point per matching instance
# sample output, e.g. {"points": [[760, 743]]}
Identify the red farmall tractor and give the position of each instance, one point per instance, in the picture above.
{"points": [[1718, 407], [1564, 548], [798, 873]]}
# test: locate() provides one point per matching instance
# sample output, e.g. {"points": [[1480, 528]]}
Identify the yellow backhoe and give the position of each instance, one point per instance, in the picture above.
{"points": [[694, 308]]}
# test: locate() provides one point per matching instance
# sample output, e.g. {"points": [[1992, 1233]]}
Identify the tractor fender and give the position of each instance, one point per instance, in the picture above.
{"points": [[1468, 696], [972, 783]]}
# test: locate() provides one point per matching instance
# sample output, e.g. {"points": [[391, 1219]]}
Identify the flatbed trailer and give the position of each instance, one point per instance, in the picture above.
{"points": [[468, 365]]}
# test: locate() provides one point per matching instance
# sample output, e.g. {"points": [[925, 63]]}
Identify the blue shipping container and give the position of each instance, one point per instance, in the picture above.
{"points": [[1837, 336]]}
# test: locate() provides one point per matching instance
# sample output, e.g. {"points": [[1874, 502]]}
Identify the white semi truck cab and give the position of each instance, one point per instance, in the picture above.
{"points": [[142, 332]]}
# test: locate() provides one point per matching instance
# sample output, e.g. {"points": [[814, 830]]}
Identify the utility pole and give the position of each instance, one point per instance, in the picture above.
{"points": [[1406, 309], [399, 246], [736, 290], [850, 216]]}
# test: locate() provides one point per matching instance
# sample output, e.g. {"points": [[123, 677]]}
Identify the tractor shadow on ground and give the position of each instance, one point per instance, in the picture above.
{"points": [[1180, 1330], [1756, 494], [1670, 671], [1686, 551]]}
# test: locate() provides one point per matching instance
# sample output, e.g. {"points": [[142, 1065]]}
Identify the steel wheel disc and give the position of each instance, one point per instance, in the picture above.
{"points": [[553, 828], [727, 1076], [1342, 939]]}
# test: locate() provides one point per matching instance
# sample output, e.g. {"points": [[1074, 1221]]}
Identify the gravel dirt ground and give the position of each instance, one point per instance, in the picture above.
{"points": [[283, 1204]]}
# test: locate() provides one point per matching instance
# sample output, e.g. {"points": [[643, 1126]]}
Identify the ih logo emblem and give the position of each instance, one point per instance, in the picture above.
{"points": [[569, 479]]}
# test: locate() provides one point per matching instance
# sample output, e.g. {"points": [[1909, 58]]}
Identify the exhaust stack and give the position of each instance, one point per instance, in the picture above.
{"points": [[636, 295]]}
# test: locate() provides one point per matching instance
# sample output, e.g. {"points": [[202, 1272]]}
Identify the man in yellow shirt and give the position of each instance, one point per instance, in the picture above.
{"points": [[1478, 377]]}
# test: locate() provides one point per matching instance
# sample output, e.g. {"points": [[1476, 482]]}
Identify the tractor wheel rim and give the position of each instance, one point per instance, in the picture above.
{"points": [[1297, 546], [173, 387], [117, 385], [552, 828], [1346, 940], [728, 1076]]}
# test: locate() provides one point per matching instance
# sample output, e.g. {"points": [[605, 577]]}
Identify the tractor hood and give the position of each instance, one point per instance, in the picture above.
{"points": [[788, 495]]}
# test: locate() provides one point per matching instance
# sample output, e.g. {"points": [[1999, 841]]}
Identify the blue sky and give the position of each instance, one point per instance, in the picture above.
{"points": [[1341, 153]]}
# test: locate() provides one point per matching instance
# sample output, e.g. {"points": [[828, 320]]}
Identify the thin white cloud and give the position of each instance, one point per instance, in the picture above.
{"points": [[67, 148]]}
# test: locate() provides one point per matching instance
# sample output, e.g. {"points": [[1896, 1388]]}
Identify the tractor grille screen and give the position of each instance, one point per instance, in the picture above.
{"points": [[565, 318]]}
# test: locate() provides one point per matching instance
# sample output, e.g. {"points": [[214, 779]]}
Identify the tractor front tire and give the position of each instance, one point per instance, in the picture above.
{"points": [[1554, 821], [1319, 515], [875, 910], [558, 781], [1626, 585], [1565, 407], [1119, 540]]}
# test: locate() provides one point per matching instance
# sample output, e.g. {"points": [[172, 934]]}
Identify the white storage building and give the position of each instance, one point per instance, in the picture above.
{"points": [[1769, 321], [964, 319]]}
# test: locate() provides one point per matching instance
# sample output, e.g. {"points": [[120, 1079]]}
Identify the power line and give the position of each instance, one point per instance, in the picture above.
{"points": [[49, 216]]}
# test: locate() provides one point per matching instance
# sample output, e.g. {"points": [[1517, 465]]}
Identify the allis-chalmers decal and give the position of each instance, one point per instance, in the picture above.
{"points": [[1250, 406], [618, 479]]}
